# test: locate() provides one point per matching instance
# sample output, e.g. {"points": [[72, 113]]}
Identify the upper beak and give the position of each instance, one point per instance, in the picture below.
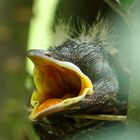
{"points": [[59, 84]]}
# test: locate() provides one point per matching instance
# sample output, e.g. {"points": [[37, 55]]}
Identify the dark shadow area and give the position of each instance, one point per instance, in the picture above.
{"points": [[14, 24]]}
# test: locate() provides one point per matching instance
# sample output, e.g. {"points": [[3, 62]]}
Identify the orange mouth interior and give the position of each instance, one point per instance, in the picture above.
{"points": [[54, 84]]}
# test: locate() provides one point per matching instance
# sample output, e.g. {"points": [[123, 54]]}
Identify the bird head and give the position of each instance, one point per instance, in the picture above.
{"points": [[60, 84]]}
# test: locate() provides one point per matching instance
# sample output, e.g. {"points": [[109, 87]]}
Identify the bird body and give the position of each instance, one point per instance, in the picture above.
{"points": [[74, 77]]}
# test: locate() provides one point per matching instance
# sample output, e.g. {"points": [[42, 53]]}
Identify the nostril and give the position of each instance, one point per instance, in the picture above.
{"points": [[48, 54]]}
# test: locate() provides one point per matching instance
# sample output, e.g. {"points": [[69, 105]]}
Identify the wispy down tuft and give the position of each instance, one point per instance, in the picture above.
{"points": [[100, 32], [61, 33]]}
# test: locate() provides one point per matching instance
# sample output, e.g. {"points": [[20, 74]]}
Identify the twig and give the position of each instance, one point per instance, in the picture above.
{"points": [[121, 118]]}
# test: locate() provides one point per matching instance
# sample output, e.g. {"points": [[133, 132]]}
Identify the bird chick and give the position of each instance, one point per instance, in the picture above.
{"points": [[91, 70]]}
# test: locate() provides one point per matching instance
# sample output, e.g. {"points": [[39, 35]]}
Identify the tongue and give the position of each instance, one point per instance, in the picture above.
{"points": [[48, 103]]}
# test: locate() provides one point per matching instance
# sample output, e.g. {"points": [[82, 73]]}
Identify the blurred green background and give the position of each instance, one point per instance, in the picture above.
{"points": [[25, 24]]}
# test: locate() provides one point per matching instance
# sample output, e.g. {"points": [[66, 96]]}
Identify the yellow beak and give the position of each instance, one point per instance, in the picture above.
{"points": [[59, 84]]}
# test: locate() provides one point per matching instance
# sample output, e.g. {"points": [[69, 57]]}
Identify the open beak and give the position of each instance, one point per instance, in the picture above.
{"points": [[60, 85]]}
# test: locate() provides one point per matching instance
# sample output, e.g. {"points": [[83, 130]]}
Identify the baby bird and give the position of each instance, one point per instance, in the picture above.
{"points": [[76, 75]]}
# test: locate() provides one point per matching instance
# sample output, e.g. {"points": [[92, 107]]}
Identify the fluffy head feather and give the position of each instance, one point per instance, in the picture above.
{"points": [[99, 32]]}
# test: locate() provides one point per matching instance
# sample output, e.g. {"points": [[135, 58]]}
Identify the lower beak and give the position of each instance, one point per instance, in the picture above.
{"points": [[59, 84]]}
